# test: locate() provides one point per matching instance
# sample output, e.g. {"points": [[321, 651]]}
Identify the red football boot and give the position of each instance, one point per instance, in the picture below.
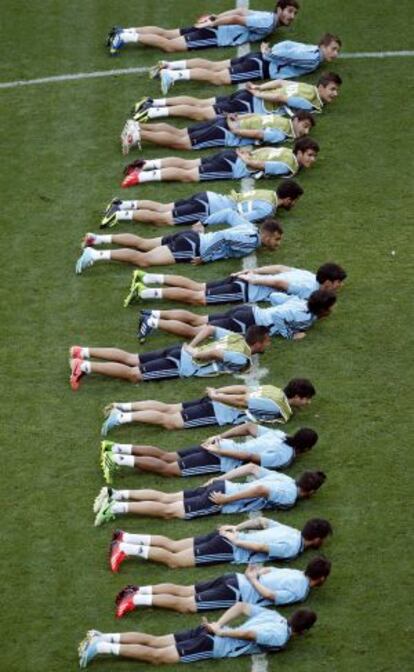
{"points": [[125, 606], [76, 352], [76, 375], [131, 179], [117, 557], [128, 591]]}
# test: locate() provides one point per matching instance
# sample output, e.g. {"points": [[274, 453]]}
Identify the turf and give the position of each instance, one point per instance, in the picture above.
{"points": [[61, 164]]}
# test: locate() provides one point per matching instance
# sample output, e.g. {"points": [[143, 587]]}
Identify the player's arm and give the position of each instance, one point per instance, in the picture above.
{"points": [[215, 447], [237, 610], [244, 470], [259, 523], [247, 429], [272, 84], [253, 492], [238, 399], [232, 16], [252, 574], [205, 332]]}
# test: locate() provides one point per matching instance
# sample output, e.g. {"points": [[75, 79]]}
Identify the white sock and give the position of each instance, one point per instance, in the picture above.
{"points": [[150, 176], [145, 590], [86, 367], [125, 418], [102, 239], [129, 36], [159, 102], [125, 406], [152, 293], [153, 278], [85, 353], [119, 507], [108, 647], [122, 448], [137, 538], [156, 313], [177, 65], [180, 74], [110, 636], [155, 112], [102, 255], [142, 599], [153, 321], [124, 460], [124, 216], [135, 550], [120, 495], [151, 164], [129, 205]]}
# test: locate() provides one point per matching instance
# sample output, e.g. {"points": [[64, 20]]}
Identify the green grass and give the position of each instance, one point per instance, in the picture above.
{"points": [[61, 164]]}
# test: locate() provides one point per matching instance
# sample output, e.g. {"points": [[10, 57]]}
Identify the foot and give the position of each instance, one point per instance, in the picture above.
{"points": [[87, 651], [89, 240], [105, 514], [144, 327], [135, 287], [109, 466], [109, 218], [142, 104], [85, 260], [118, 535], [102, 498], [106, 447], [167, 81], [130, 136], [76, 352], [113, 420], [131, 179], [115, 42], [129, 590], [76, 373], [125, 606], [117, 557], [155, 70]]}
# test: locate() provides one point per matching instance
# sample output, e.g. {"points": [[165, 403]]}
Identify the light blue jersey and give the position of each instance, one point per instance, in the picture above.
{"points": [[300, 283], [259, 409], [232, 361], [292, 59], [287, 586], [282, 493], [236, 242], [288, 317], [269, 445], [283, 542], [272, 632], [225, 210], [258, 26]]}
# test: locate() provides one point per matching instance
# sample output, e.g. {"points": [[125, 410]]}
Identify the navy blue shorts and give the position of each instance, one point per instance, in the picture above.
{"points": [[212, 549], [246, 68], [238, 319], [220, 593], [197, 502], [195, 461], [228, 290], [195, 644], [199, 38], [191, 210], [241, 102], [183, 245], [208, 134], [198, 413], [160, 364], [218, 167]]}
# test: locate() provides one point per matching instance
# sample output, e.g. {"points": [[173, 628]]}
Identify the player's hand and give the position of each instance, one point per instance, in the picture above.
{"points": [[299, 336], [191, 351], [212, 447], [197, 261], [211, 392], [210, 439], [227, 528], [212, 480], [217, 497], [211, 627], [231, 536], [205, 21], [252, 87], [198, 227], [252, 572]]}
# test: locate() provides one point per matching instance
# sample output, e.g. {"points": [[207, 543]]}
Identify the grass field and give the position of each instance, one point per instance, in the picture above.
{"points": [[60, 165]]}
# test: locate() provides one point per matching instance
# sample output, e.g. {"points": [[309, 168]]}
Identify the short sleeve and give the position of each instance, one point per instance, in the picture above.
{"points": [[276, 168], [271, 460], [269, 637], [273, 135], [220, 332], [277, 298], [299, 103], [236, 358]]}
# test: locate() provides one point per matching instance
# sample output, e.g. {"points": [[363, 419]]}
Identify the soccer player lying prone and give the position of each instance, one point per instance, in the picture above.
{"points": [[230, 405], [265, 586], [181, 247], [229, 164], [226, 352], [262, 631], [231, 130], [289, 317], [253, 541], [226, 29], [279, 96], [284, 60], [266, 490], [269, 448], [243, 287], [208, 208]]}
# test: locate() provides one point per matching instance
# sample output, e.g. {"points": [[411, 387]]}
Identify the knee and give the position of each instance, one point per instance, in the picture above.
{"points": [[170, 422]]}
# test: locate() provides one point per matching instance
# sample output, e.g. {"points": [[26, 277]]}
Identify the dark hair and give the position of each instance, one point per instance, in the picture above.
{"points": [[316, 528], [304, 115], [289, 189], [272, 226], [256, 334], [303, 440], [302, 620], [310, 481], [282, 4], [299, 387], [321, 301], [330, 271], [328, 38], [304, 144], [329, 78], [318, 568]]}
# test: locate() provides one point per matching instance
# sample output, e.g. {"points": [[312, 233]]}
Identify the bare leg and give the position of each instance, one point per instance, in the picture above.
{"points": [[184, 316], [173, 560], [145, 639], [161, 127], [165, 44], [217, 77], [157, 466], [114, 355], [113, 370], [198, 113], [170, 139], [137, 242], [160, 256], [185, 605], [182, 281], [189, 100], [172, 545], [155, 509], [193, 298], [156, 30], [154, 452], [156, 656], [153, 217], [146, 494], [180, 174], [167, 420], [177, 162], [151, 405], [206, 64], [155, 205], [173, 589], [177, 328]]}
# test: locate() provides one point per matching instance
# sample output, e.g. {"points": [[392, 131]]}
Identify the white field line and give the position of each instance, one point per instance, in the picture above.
{"points": [[134, 71]]}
